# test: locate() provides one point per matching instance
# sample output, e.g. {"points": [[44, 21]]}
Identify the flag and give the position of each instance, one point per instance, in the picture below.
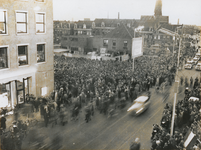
{"points": [[137, 48]]}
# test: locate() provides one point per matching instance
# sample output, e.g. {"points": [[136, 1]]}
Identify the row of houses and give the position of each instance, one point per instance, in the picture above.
{"points": [[116, 34]]}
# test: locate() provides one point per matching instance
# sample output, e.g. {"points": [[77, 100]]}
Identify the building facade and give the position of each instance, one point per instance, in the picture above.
{"points": [[26, 50]]}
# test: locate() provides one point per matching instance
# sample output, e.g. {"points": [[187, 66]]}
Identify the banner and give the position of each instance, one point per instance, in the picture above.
{"points": [[137, 47]]}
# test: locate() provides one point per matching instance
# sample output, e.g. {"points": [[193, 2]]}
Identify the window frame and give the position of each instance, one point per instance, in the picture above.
{"points": [[6, 21], [8, 58], [27, 22], [26, 44], [44, 22], [114, 41], [104, 42], [37, 53]]}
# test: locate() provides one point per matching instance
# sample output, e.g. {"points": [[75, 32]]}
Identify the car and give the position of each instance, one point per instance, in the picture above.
{"points": [[139, 105], [193, 99], [195, 60], [198, 67], [189, 65]]}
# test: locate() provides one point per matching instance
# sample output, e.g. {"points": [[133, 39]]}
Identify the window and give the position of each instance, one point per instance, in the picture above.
{"points": [[105, 42], [118, 24], [84, 26], [5, 95], [23, 55], [75, 26], [113, 43], [154, 36], [40, 23], [3, 58], [40, 53], [93, 25], [3, 22], [125, 43], [102, 24], [21, 20], [159, 37], [128, 25], [168, 36]]}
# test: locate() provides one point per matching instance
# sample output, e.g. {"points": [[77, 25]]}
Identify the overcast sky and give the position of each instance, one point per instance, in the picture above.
{"points": [[187, 11]]}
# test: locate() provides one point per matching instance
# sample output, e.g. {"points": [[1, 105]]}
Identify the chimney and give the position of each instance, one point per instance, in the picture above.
{"points": [[118, 15], [178, 22]]}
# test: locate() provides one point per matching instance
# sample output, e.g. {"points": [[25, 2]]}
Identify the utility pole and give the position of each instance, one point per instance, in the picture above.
{"points": [[133, 54], [176, 90]]}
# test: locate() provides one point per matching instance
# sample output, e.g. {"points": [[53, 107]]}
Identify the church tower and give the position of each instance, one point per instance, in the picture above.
{"points": [[158, 8]]}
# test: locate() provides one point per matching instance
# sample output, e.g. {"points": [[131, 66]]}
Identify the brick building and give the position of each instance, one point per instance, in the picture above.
{"points": [[26, 50]]}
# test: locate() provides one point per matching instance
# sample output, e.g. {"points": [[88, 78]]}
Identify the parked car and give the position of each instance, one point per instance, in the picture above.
{"points": [[189, 65], [198, 67], [195, 60], [139, 105]]}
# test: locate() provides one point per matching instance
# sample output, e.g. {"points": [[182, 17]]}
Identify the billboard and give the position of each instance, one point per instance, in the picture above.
{"points": [[137, 47]]}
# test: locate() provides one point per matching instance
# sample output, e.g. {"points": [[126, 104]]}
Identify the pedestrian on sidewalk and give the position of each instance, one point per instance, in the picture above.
{"points": [[3, 122]]}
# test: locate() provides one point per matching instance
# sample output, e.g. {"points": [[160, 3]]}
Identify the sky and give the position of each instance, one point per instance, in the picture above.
{"points": [[187, 11]]}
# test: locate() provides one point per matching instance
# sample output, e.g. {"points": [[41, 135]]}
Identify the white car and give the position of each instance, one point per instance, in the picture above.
{"points": [[139, 105], [189, 65], [195, 60], [198, 67]]}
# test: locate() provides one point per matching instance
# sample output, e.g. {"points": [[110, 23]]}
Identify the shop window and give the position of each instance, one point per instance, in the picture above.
{"points": [[3, 57], [125, 43], [3, 22], [23, 55], [21, 21], [40, 53], [5, 100], [40, 23], [105, 42]]}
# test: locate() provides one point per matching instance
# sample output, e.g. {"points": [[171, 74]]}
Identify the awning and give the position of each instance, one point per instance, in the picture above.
{"points": [[19, 74]]}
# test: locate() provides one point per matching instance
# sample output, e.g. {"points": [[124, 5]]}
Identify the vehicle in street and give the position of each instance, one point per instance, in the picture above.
{"points": [[193, 99], [198, 67], [189, 64], [195, 60], [139, 105]]}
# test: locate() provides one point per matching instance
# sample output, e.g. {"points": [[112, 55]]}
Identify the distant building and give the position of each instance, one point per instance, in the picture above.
{"points": [[26, 50], [157, 29]]}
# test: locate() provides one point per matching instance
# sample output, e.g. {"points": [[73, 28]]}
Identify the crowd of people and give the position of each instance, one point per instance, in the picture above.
{"points": [[107, 83], [187, 120]]}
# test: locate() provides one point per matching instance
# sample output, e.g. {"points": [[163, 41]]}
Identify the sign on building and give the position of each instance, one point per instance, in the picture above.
{"points": [[102, 50], [137, 47]]}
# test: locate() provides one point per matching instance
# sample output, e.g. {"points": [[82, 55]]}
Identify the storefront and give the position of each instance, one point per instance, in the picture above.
{"points": [[5, 95], [22, 88], [14, 92]]}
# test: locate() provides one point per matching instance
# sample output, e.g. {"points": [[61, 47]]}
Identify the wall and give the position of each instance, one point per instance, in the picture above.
{"points": [[30, 38]]}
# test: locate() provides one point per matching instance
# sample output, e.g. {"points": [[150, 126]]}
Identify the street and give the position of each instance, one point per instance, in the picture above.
{"points": [[116, 132]]}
